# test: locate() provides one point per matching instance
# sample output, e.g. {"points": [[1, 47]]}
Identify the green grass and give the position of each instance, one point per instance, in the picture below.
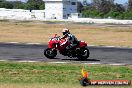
{"points": [[45, 75], [28, 73]]}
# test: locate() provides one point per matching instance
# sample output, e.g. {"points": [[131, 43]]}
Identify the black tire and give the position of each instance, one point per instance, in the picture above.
{"points": [[83, 54], [49, 53], [85, 82]]}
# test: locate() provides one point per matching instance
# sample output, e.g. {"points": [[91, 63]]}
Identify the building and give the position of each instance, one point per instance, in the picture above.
{"points": [[60, 9]]}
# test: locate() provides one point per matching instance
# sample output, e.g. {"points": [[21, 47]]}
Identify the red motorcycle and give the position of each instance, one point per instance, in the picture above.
{"points": [[55, 44]]}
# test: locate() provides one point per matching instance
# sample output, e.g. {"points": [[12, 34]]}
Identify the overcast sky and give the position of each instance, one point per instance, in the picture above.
{"points": [[121, 1], [117, 1]]}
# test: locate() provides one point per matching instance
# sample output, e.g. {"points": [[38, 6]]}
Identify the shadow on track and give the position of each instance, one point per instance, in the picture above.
{"points": [[72, 59], [56, 58]]}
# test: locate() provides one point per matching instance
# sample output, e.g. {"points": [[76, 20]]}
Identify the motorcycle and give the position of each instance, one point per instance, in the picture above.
{"points": [[55, 44]]}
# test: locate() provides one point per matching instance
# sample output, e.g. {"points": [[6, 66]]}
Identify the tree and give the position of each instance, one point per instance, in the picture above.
{"points": [[90, 13], [130, 5], [112, 14], [118, 8], [96, 4], [1, 3], [79, 6], [35, 4], [18, 5], [128, 15], [5, 4], [103, 6]]}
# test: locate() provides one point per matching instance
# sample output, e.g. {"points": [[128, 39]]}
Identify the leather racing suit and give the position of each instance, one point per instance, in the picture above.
{"points": [[72, 40]]}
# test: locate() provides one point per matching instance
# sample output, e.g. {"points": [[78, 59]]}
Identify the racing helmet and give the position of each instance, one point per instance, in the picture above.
{"points": [[65, 31]]}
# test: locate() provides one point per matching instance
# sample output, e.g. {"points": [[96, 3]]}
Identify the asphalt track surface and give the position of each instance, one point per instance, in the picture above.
{"points": [[103, 55]]}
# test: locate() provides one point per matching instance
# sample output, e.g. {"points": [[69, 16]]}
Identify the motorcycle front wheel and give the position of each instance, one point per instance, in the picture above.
{"points": [[50, 53]]}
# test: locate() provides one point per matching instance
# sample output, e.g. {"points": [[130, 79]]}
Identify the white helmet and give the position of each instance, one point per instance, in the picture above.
{"points": [[65, 31]]}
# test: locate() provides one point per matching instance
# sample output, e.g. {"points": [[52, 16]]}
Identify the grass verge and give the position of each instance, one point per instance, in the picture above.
{"points": [[40, 32], [44, 75]]}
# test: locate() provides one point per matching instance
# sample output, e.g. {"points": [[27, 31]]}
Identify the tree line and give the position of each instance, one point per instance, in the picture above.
{"points": [[29, 5], [106, 9], [95, 9]]}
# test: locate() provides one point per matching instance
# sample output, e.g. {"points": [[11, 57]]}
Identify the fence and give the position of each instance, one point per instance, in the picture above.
{"points": [[101, 21], [20, 14]]}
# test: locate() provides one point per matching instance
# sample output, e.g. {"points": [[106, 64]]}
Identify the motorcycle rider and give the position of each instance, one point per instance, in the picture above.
{"points": [[69, 38]]}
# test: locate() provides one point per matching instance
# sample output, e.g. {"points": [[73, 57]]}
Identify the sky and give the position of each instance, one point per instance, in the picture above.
{"points": [[121, 1], [117, 1]]}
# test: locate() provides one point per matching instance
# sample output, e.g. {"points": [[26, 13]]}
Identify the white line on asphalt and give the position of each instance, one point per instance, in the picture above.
{"points": [[33, 43], [28, 61], [117, 64], [2, 60], [92, 63], [111, 46], [22, 61], [13, 42]]}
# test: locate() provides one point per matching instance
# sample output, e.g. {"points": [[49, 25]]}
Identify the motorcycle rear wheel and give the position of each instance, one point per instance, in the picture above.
{"points": [[50, 53], [83, 54]]}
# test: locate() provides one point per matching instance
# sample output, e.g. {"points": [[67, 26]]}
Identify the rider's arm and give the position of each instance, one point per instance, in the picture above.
{"points": [[64, 37], [64, 43]]}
